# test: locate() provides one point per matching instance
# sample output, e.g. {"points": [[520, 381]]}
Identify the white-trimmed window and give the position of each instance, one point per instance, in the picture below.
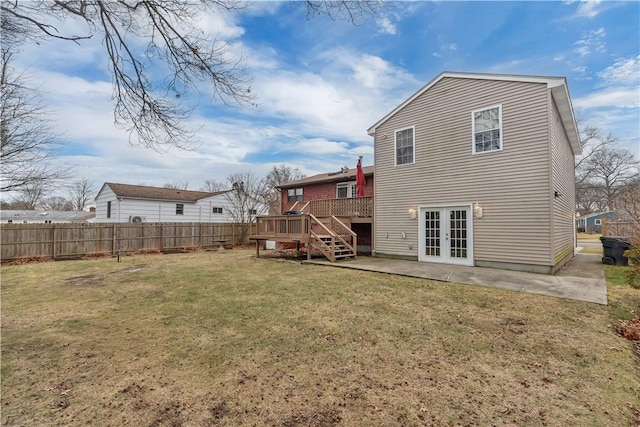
{"points": [[346, 190], [179, 208], [487, 129], [216, 210], [598, 221], [404, 144]]}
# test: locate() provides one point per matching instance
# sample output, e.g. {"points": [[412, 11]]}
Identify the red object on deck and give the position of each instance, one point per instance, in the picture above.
{"points": [[360, 181]]}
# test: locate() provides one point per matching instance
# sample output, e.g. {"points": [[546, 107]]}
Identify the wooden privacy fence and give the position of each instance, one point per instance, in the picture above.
{"points": [[77, 239]]}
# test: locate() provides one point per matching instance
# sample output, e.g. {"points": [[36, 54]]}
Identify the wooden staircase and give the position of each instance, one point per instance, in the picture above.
{"points": [[333, 238]]}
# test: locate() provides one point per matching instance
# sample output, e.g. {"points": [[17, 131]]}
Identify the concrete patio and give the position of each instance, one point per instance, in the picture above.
{"points": [[582, 279]]}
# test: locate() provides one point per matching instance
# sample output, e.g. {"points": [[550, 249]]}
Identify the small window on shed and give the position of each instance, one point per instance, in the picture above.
{"points": [[598, 221], [108, 209], [179, 209]]}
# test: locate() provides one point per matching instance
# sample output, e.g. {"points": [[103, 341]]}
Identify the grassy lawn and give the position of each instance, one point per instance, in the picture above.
{"points": [[592, 238], [223, 338]]}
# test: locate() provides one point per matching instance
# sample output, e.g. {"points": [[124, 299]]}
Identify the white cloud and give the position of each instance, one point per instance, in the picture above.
{"points": [[619, 98], [615, 106], [221, 24], [444, 49], [624, 71], [621, 86], [591, 41], [385, 26], [589, 9]]}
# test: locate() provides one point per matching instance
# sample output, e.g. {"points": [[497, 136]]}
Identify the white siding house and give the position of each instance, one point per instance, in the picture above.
{"points": [[478, 169], [136, 203], [44, 217]]}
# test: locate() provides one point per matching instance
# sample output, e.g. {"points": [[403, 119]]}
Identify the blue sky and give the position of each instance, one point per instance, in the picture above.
{"points": [[320, 84]]}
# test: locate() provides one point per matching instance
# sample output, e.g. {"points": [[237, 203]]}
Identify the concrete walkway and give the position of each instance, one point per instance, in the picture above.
{"points": [[582, 279]]}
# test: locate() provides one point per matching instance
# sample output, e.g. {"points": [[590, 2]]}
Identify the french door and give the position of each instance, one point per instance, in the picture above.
{"points": [[446, 235]]}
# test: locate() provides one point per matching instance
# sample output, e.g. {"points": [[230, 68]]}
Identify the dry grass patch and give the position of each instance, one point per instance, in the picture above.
{"points": [[586, 237], [222, 338], [592, 250]]}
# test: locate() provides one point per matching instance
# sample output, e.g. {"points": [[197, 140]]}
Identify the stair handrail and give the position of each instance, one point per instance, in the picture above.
{"points": [[329, 251], [349, 231]]}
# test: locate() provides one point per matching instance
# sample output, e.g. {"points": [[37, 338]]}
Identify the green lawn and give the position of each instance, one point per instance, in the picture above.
{"points": [[223, 338]]}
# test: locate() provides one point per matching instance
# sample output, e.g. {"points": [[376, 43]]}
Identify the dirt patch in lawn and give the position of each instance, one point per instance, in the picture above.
{"points": [[630, 329]]}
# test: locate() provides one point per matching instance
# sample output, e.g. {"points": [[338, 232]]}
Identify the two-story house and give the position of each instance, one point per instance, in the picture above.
{"points": [[326, 211], [478, 169], [335, 193]]}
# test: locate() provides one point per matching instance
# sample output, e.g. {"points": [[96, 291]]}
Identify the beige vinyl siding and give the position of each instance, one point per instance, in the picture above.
{"points": [[512, 185], [563, 181]]}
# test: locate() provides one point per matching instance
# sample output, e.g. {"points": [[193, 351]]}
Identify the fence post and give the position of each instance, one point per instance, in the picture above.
{"points": [[53, 238], [113, 237]]}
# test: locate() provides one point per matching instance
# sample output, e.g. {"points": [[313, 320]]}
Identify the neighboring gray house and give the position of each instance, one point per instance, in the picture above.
{"points": [[44, 217], [592, 223], [138, 203], [478, 169]]}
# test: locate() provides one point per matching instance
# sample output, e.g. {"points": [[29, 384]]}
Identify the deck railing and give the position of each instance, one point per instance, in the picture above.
{"points": [[293, 226], [348, 207]]}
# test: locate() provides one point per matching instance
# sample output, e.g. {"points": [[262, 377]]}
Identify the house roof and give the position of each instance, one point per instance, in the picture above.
{"points": [[55, 216], [595, 214], [338, 176], [127, 191], [557, 85]]}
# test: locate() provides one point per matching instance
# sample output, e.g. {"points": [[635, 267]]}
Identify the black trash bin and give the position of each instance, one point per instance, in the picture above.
{"points": [[613, 250]]}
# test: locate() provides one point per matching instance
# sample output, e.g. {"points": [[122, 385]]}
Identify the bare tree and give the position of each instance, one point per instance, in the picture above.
{"points": [[149, 108], [278, 176], [628, 201], [27, 141], [601, 171], [612, 168], [346, 10], [80, 192], [56, 203], [177, 185], [32, 194], [213, 186], [246, 199]]}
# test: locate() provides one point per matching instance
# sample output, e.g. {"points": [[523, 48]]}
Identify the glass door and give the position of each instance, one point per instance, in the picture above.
{"points": [[446, 235]]}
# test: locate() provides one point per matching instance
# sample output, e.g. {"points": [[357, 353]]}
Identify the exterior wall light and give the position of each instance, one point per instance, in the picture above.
{"points": [[412, 213], [477, 210]]}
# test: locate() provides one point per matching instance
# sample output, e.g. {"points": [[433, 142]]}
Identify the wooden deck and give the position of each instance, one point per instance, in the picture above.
{"points": [[330, 235]]}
